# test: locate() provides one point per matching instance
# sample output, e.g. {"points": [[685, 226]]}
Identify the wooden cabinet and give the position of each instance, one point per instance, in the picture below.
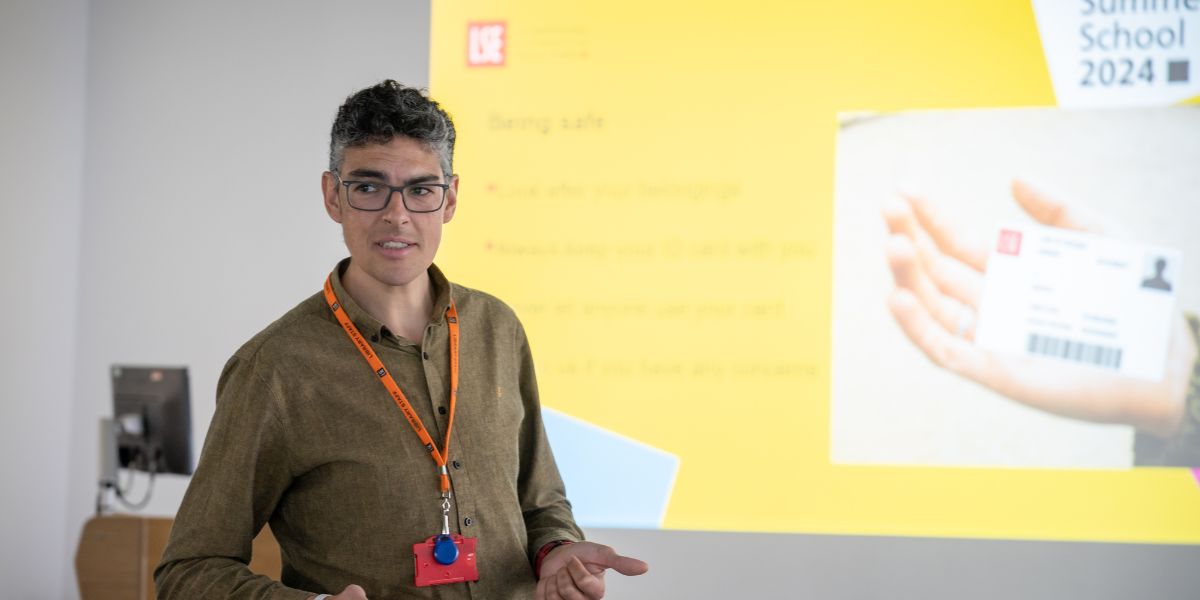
{"points": [[117, 556]]}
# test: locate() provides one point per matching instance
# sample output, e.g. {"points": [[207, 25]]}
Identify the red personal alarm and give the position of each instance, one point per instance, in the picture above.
{"points": [[430, 568]]}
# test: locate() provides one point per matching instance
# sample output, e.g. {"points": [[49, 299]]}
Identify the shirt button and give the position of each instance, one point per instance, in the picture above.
{"points": [[425, 355], [468, 521], [441, 410], [456, 464]]}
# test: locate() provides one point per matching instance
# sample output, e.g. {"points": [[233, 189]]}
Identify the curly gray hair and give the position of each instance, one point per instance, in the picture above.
{"points": [[381, 112]]}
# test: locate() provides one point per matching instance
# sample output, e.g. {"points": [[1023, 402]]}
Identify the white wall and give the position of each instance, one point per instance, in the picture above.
{"points": [[42, 57]]}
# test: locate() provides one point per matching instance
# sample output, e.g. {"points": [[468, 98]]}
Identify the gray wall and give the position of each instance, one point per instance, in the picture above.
{"points": [[182, 213], [690, 564]]}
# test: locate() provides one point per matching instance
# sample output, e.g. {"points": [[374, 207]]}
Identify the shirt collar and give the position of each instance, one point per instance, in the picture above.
{"points": [[443, 295], [370, 326]]}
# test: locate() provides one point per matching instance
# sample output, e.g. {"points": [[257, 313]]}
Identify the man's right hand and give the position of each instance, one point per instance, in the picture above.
{"points": [[352, 592]]}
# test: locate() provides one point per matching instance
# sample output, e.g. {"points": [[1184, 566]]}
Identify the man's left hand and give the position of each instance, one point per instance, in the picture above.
{"points": [[576, 571]]}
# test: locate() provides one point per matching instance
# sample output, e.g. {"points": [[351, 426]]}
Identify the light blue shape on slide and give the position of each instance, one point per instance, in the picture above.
{"points": [[612, 480]]}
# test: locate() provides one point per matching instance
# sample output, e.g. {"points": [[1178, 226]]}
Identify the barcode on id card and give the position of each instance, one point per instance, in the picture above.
{"points": [[1101, 356]]}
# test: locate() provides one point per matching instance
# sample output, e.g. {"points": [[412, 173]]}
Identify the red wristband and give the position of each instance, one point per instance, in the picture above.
{"points": [[541, 555]]}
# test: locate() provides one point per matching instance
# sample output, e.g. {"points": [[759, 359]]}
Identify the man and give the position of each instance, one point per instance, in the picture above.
{"points": [[317, 419]]}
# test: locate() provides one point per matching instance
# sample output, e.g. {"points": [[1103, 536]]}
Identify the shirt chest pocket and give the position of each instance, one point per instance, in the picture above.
{"points": [[489, 425]]}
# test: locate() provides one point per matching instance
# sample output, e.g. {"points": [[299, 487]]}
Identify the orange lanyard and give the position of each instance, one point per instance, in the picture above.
{"points": [[398, 396]]}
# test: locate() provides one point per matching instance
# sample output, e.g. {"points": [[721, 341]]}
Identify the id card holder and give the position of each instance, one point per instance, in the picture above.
{"points": [[431, 571]]}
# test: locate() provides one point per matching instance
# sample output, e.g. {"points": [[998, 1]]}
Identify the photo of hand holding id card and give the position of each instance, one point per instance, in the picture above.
{"points": [[1072, 315]]}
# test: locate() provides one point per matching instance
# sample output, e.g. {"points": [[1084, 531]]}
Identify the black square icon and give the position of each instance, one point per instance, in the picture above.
{"points": [[1177, 71]]}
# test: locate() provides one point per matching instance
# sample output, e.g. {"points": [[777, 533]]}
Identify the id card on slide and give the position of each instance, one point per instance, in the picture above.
{"points": [[1079, 297]]}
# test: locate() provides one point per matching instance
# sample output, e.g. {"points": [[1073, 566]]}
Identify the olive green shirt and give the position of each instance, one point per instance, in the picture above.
{"points": [[306, 437]]}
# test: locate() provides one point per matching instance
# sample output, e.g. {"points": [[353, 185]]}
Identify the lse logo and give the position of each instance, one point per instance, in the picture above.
{"points": [[1010, 242], [485, 44]]}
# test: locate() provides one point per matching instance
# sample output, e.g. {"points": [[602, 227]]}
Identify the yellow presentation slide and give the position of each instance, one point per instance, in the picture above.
{"points": [[901, 268]]}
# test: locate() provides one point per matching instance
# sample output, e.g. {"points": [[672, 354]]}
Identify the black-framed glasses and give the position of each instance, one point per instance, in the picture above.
{"points": [[375, 196]]}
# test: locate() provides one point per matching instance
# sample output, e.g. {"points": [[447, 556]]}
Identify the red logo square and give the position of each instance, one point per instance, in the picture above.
{"points": [[1010, 242], [487, 44]]}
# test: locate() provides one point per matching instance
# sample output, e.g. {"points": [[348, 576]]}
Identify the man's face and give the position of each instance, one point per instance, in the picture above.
{"points": [[391, 247]]}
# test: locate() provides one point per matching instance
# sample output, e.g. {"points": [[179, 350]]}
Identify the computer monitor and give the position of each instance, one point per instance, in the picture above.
{"points": [[153, 418]]}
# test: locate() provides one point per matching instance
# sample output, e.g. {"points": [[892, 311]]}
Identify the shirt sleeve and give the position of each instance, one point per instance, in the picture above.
{"points": [[544, 504], [242, 473]]}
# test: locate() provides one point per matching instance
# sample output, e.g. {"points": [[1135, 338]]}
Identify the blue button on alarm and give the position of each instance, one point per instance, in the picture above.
{"points": [[444, 550]]}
